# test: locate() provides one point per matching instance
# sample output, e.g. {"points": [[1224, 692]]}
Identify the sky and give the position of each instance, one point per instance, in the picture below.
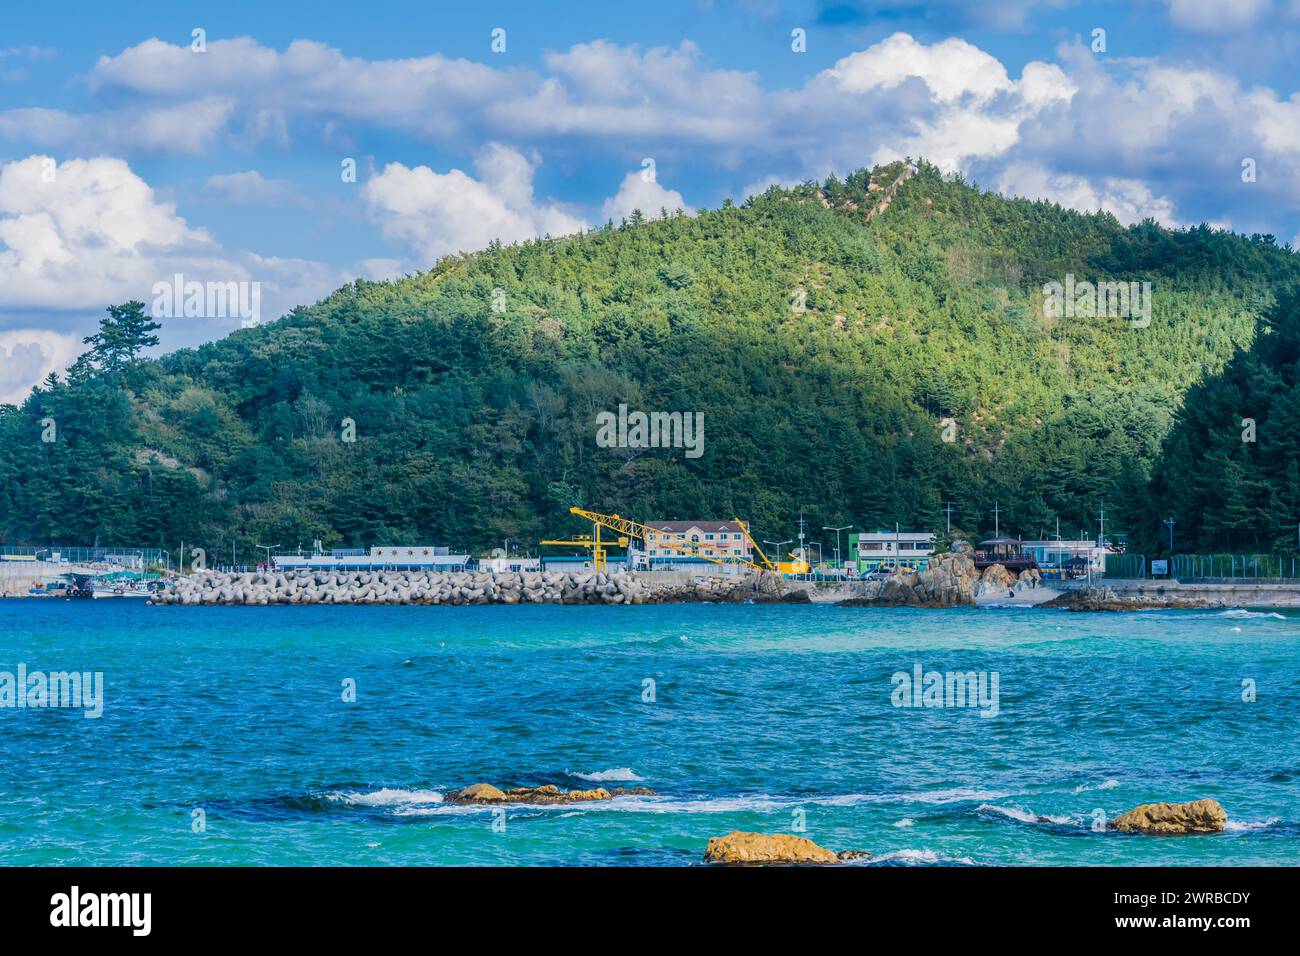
{"points": [[292, 147]]}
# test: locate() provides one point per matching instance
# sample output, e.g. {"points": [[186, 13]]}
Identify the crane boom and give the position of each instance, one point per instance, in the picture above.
{"points": [[633, 529], [754, 544]]}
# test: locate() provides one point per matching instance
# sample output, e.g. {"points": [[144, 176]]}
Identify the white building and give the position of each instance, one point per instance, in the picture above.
{"points": [[1053, 555], [411, 557], [872, 550], [514, 565]]}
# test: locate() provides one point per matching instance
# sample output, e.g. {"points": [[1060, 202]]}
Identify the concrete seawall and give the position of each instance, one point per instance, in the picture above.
{"points": [[1219, 594]]}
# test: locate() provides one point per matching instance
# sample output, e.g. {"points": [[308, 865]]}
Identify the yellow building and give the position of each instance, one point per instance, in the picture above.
{"points": [[716, 539]]}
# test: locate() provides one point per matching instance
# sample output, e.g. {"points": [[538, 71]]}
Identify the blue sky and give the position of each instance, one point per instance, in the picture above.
{"points": [[127, 156]]}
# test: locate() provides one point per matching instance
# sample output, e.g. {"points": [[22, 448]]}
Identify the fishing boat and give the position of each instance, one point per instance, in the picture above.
{"points": [[123, 585]]}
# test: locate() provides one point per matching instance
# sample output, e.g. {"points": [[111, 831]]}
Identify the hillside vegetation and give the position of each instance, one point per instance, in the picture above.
{"points": [[825, 332]]}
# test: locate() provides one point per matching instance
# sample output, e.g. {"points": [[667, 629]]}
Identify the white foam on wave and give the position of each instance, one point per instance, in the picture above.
{"points": [[905, 822], [755, 803], [386, 797], [919, 858], [1024, 816], [1104, 785], [1240, 825], [1243, 614], [613, 775]]}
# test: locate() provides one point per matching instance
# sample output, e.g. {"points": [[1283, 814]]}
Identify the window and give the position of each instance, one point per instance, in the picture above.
{"points": [[708, 537]]}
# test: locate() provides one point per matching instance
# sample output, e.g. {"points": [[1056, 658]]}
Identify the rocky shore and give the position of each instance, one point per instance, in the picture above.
{"points": [[459, 588]]}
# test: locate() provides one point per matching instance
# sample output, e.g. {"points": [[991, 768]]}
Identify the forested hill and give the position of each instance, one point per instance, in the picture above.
{"points": [[825, 332]]}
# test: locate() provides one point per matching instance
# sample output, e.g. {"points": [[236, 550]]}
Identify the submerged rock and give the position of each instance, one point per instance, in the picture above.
{"points": [[739, 847], [548, 794], [1173, 819]]}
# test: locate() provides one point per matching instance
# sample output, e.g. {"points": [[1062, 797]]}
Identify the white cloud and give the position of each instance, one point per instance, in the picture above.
{"points": [[250, 187], [639, 192], [28, 355], [435, 214], [952, 69], [1216, 16], [94, 234], [1127, 200], [186, 128]]}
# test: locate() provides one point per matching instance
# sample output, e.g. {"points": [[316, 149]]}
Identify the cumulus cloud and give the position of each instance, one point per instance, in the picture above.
{"points": [[28, 355], [435, 214], [78, 235], [641, 190], [1128, 200]]}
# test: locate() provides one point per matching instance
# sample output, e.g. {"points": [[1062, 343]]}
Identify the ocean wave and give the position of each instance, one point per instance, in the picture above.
{"points": [[385, 797], [1245, 825], [1243, 613], [1104, 785], [751, 803], [918, 858], [613, 775], [1026, 816], [905, 822]]}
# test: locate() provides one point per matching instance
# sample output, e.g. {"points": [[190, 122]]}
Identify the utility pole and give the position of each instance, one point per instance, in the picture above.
{"points": [[1101, 526], [837, 531], [948, 510], [997, 528]]}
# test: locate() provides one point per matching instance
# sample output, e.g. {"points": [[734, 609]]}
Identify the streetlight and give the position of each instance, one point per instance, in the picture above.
{"points": [[837, 531], [1169, 523], [268, 548], [776, 548]]}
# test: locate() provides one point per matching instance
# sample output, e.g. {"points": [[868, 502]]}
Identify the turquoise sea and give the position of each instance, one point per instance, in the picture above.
{"points": [[225, 738]]}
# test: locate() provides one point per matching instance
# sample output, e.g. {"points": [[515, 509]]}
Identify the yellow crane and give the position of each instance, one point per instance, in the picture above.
{"points": [[633, 529], [594, 543]]}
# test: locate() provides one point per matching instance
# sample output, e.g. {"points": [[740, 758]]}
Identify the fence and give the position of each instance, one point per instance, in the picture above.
{"points": [[1234, 567], [1209, 567], [123, 557]]}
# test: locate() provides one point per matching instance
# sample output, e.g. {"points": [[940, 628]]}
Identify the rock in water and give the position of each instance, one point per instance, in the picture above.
{"points": [[548, 794], [741, 847], [477, 793], [1198, 816]]}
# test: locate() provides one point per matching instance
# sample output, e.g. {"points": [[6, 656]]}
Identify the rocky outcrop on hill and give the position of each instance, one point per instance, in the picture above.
{"points": [[1173, 819], [486, 794], [741, 847], [948, 581], [457, 588]]}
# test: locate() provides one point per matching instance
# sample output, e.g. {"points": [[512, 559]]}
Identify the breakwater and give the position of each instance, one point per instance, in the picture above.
{"points": [[458, 588]]}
